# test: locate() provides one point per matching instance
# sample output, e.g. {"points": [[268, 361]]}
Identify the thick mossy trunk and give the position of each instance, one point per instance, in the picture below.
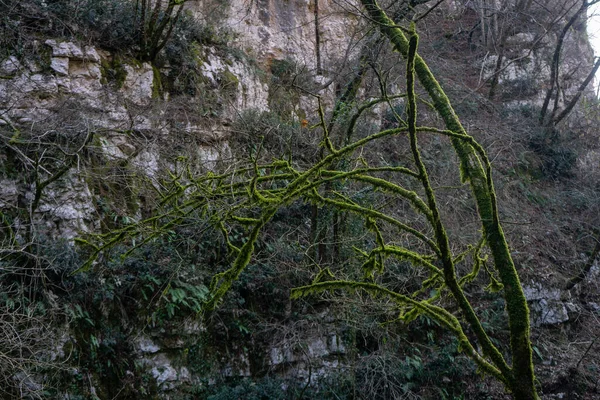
{"points": [[521, 377]]}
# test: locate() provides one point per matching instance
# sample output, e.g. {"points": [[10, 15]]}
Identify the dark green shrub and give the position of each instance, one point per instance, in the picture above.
{"points": [[288, 81], [110, 24], [273, 135], [283, 71], [106, 23], [553, 153], [268, 388], [557, 158]]}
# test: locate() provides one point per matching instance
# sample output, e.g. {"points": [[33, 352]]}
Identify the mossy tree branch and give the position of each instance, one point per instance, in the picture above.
{"points": [[249, 198], [520, 378]]}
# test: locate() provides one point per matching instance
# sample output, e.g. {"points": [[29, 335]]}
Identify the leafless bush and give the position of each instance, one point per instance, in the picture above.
{"points": [[29, 353]]}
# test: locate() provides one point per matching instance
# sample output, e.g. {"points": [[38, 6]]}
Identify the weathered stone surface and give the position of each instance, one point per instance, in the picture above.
{"points": [[67, 207], [523, 76], [238, 365], [10, 66], [316, 347], [38, 84], [61, 338], [89, 90], [192, 327], [138, 83], [247, 90], [124, 145], [146, 345], [593, 277], [91, 54], [335, 344], [147, 162], [545, 305], [166, 375], [276, 29], [60, 65], [84, 70], [281, 355], [8, 193], [72, 50], [27, 383], [521, 39], [252, 93]]}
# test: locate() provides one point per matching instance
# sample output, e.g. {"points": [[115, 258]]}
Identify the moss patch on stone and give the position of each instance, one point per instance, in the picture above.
{"points": [[157, 88], [113, 72]]}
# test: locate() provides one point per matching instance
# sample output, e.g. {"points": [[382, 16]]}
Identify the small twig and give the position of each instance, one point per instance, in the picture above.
{"points": [[586, 352], [420, 17], [588, 265], [309, 373]]}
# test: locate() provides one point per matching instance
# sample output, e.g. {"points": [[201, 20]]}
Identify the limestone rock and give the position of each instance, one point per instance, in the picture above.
{"points": [[138, 84], [317, 348], [146, 345], [73, 51], [335, 344], [147, 163], [67, 207], [10, 66], [39, 84], [594, 274], [546, 305], [91, 54], [60, 65], [595, 307], [84, 70], [166, 375], [61, 338], [253, 94], [276, 29], [281, 355], [238, 366], [27, 383], [8, 193]]}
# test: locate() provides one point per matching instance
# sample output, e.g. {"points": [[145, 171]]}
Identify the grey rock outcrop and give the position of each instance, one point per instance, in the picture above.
{"points": [[548, 306]]}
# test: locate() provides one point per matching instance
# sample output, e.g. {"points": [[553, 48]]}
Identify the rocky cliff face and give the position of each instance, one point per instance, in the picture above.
{"points": [[108, 98], [278, 30], [87, 125], [103, 92]]}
